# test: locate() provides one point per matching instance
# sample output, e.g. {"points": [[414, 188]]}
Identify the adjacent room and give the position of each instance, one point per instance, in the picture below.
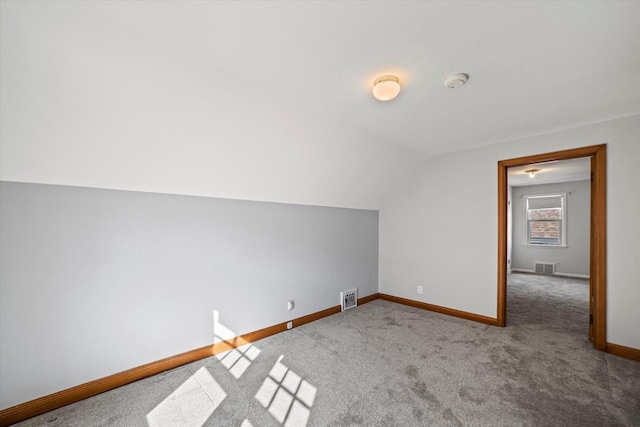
{"points": [[319, 213]]}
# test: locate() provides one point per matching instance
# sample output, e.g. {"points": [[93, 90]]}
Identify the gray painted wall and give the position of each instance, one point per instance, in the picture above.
{"points": [[94, 282], [574, 259]]}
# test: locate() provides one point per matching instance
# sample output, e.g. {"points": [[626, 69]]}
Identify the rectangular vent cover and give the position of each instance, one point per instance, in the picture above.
{"points": [[349, 299], [544, 267]]}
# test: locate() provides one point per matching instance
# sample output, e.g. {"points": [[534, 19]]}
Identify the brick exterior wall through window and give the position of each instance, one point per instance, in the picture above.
{"points": [[544, 226]]}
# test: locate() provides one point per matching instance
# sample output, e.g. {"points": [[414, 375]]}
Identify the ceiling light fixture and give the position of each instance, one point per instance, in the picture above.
{"points": [[532, 172], [386, 88]]}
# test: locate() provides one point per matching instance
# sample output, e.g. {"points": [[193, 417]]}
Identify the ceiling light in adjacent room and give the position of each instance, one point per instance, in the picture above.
{"points": [[386, 88], [532, 172]]}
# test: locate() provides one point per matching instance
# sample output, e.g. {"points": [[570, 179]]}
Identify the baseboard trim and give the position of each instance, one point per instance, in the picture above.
{"points": [[65, 397], [369, 298], [577, 276], [524, 270], [623, 351], [80, 392], [442, 310]]}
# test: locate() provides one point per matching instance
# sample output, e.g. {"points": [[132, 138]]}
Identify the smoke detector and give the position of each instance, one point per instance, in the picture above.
{"points": [[455, 81]]}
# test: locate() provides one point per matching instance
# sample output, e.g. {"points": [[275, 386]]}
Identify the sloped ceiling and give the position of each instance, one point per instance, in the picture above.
{"points": [[271, 100]]}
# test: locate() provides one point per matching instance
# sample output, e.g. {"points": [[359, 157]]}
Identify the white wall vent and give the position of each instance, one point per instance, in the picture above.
{"points": [[349, 299], [544, 267]]}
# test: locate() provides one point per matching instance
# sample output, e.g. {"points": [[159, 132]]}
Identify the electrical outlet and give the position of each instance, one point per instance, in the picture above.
{"points": [[290, 304], [419, 290], [289, 325]]}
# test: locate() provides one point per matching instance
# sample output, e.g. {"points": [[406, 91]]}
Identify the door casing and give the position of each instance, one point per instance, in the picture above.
{"points": [[598, 238]]}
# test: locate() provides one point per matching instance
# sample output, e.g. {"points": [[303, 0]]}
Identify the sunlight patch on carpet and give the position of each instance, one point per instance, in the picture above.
{"points": [[287, 396], [238, 359], [191, 404]]}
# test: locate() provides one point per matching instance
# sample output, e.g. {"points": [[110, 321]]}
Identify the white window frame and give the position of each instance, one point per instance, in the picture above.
{"points": [[563, 220]]}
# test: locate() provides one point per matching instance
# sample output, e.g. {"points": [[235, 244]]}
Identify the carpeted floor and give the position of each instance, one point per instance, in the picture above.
{"points": [[384, 364]]}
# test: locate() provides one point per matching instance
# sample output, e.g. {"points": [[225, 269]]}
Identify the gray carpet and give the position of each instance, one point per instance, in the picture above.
{"points": [[384, 364]]}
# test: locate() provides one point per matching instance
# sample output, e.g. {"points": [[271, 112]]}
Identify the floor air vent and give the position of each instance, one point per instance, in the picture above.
{"points": [[544, 267], [349, 299]]}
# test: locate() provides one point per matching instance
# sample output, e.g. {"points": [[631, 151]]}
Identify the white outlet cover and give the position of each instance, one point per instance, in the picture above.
{"points": [[290, 304], [420, 290]]}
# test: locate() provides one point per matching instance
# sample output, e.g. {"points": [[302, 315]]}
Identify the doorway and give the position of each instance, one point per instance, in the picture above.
{"points": [[598, 230]]}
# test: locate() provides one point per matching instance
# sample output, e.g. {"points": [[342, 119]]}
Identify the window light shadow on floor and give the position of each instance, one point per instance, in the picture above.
{"points": [[286, 396], [197, 398], [238, 359], [191, 404]]}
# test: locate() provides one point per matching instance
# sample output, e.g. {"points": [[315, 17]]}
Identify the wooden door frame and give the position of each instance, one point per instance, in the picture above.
{"points": [[598, 238]]}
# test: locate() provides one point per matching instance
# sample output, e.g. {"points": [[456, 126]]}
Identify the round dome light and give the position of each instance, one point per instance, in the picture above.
{"points": [[386, 88]]}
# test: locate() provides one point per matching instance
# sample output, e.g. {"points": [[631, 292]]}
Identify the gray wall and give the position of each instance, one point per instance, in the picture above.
{"points": [[574, 259], [94, 282]]}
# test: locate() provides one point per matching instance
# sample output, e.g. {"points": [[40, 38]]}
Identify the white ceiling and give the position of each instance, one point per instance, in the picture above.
{"points": [[271, 100], [551, 172]]}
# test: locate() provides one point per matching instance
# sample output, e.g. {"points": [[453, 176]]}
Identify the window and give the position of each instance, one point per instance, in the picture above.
{"points": [[545, 220]]}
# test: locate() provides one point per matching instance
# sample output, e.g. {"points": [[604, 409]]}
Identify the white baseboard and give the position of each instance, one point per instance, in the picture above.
{"points": [[521, 270], [577, 276]]}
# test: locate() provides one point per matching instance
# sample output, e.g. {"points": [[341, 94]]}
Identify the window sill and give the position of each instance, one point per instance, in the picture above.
{"points": [[546, 246]]}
